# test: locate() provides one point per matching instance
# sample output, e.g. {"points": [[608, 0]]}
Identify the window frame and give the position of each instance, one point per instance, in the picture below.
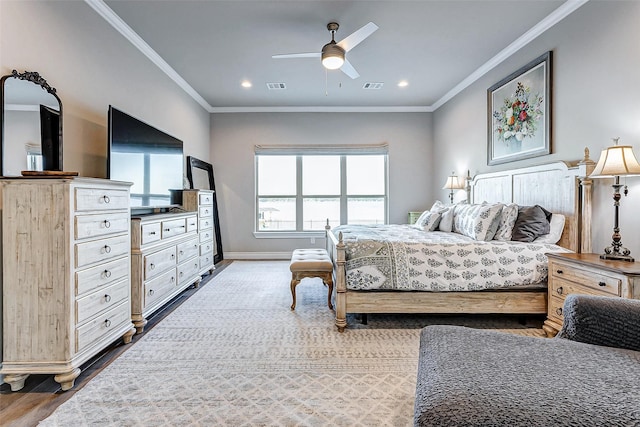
{"points": [[343, 197]]}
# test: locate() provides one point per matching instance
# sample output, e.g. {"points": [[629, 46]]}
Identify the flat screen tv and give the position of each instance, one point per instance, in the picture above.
{"points": [[146, 156]]}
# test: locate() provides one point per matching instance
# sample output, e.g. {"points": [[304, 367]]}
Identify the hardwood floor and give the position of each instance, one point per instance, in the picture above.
{"points": [[41, 395]]}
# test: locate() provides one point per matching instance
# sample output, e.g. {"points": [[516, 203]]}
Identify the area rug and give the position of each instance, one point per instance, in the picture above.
{"points": [[235, 354]]}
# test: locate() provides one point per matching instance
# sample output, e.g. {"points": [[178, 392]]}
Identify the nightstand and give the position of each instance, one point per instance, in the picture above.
{"points": [[413, 217], [571, 273]]}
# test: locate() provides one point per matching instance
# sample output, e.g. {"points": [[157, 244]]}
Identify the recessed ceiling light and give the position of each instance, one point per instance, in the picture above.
{"points": [[403, 83], [246, 84]]}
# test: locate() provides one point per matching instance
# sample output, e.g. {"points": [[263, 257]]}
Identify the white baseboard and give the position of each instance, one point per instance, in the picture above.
{"points": [[258, 255]]}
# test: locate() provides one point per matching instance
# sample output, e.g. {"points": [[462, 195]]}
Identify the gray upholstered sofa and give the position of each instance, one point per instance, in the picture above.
{"points": [[589, 375]]}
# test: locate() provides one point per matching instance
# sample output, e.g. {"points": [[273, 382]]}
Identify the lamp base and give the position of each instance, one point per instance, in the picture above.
{"points": [[617, 257]]}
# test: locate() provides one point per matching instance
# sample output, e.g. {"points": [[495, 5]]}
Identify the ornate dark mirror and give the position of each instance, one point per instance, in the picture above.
{"points": [[31, 122], [200, 176]]}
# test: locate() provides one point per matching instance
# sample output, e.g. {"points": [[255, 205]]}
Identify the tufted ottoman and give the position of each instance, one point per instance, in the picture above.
{"points": [[311, 263]]}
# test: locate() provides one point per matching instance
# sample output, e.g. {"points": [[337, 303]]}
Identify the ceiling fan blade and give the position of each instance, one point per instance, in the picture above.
{"points": [[348, 69], [297, 55], [357, 37]]}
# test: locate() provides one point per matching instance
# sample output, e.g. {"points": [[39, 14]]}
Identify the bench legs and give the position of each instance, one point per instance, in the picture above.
{"points": [[327, 279]]}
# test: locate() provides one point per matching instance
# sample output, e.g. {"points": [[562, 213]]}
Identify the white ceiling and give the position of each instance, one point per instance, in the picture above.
{"points": [[210, 47]]}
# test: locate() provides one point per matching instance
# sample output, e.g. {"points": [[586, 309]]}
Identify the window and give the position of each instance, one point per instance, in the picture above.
{"points": [[299, 192]]}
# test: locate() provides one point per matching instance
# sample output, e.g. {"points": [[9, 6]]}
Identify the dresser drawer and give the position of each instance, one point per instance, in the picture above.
{"points": [[206, 223], [150, 232], [188, 271], [157, 289], [206, 235], [206, 198], [94, 303], [561, 288], [96, 329], [100, 225], [206, 261], [101, 275], [586, 278], [101, 250], [158, 262], [205, 211], [555, 309], [90, 199], [192, 224], [173, 227], [206, 248], [188, 250]]}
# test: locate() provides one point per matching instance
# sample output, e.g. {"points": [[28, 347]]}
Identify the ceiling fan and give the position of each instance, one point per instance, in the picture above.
{"points": [[333, 54]]}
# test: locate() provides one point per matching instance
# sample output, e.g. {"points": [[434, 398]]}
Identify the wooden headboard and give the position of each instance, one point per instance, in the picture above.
{"points": [[559, 187]]}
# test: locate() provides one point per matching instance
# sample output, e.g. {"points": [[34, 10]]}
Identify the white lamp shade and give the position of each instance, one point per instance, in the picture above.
{"points": [[332, 56], [453, 183], [618, 160]]}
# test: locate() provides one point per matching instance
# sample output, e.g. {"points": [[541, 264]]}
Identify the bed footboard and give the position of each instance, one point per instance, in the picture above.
{"points": [[336, 249]]}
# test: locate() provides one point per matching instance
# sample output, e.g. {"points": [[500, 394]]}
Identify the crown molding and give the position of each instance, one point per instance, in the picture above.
{"points": [[550, 20], [116, 22]]}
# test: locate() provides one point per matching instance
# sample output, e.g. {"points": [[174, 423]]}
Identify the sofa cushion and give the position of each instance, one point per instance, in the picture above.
{"points": [[471, 377]]}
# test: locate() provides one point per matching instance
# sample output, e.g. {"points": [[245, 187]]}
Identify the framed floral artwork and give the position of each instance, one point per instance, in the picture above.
{"points": [[519, 113]]}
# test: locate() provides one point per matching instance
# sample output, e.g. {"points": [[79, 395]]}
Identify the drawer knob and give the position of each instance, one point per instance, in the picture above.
{"points": [[560, 290], [152, 233], [181, 273], [196, 265], [173, 256], [106, 274], [107, 323], [206, 211], [152, 266], [107, 298], [559, 271], [182, 226], [559, 311], [106, 199], [206, 223], [106, 249], [181, 252], [150, 292], [173, 279], [167, 229], [602, 284], [106, 223]]}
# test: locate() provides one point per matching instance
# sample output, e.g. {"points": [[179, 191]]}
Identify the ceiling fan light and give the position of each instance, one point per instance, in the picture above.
{"points": [[332, 56]]}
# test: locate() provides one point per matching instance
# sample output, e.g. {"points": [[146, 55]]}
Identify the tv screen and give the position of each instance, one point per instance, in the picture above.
{"points": [[146, 156]]}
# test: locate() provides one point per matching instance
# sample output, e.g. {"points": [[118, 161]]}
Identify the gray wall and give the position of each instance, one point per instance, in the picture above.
{"points": [[595, 98], [91, 66], [233, 138]]}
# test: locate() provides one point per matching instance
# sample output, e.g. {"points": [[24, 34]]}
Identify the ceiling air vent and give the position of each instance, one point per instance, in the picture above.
{"points": [[373, 85], [276, 86]]}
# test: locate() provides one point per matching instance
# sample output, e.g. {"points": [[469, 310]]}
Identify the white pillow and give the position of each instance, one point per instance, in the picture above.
{"points": [[508, 218], [557, 225], [438, 206], [479, 222], [446, 220], [428, 220]]}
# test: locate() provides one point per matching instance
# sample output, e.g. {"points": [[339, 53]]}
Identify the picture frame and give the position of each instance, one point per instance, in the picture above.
{"points": [[200, 176], [519, 111]]}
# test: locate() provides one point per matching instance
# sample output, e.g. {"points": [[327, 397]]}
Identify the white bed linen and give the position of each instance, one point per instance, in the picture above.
{"points": [[402, 257]]}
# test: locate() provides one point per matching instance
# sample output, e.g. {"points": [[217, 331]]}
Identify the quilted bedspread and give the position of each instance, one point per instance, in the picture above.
{"points": [[402, 257]]}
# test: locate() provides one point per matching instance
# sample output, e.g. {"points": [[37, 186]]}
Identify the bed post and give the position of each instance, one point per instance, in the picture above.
{"points": [[585, 167], [341, 285], [467, 185]]}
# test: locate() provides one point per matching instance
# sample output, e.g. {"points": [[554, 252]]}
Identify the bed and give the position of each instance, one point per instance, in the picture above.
{"points": [[560, 187]]}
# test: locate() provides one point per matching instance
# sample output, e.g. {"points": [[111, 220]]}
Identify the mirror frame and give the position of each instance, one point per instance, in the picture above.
{"points": [[33, 77], [193, 163]]}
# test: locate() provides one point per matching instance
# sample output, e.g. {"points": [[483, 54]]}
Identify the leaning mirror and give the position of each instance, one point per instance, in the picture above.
{"points": [[31, 124]]}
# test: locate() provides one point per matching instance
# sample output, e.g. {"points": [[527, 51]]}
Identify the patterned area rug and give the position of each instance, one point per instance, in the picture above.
{"points": [[234, 354]]}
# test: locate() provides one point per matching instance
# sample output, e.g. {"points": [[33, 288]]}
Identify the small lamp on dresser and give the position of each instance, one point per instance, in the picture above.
{"points": [[614, 162], [453, 183]]}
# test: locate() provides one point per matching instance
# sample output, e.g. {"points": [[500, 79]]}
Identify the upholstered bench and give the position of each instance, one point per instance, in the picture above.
{"points": [[311, 263]]}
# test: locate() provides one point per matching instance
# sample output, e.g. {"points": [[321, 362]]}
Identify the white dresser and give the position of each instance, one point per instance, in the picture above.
{"points": [[66, 274], [201, 201], [165, 261]]}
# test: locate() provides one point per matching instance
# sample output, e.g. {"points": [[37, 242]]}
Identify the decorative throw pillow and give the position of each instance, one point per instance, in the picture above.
{"points": [[532, 222], [508, 218], [479, 222], [556, 226], [438, 206], [446, 220], [428, 220]]}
